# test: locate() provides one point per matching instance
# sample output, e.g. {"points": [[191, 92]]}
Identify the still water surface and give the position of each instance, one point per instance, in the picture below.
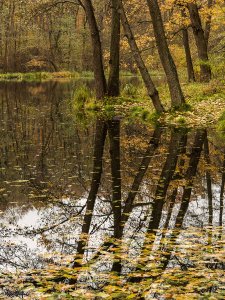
{"points": [[124, 198]]}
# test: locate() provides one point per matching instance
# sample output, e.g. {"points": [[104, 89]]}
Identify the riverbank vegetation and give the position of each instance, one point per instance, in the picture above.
{"points": [[204, 105]]}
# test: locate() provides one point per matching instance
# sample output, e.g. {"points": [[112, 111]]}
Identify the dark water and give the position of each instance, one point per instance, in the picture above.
{"points": [[135, 210]]}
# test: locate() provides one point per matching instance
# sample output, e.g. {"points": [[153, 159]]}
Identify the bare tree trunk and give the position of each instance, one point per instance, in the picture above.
{"points": [[100, 80], [114, 62], [201, 42], [152, 91], [177, 97], [208, 22], [185, 36], [190, 68]]}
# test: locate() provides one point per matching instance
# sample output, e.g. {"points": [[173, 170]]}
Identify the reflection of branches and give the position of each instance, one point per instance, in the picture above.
{"points": [[152, 263], [114, 139], [183, 266], [153, 145], [100, 137], [208, 181], [97, 227], [19, 257], [189, 176], [178, 175], [165, 178], [46, 229]]}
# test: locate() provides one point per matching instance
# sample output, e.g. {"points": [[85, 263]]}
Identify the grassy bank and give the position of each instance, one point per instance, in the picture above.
{"points": [[205, 101], [205, 105], [42, 76], [38, 76]]}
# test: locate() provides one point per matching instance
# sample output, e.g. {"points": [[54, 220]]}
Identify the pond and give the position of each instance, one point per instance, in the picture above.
{"points": [[106, 209]]}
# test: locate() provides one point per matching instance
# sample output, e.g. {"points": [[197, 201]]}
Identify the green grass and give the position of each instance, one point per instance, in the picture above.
{"points": [[81, 96], [41, 76], [204, 104], [127, 73], [87, 74], [204, 101], [38, 76], [130, 91], [221, 124]]}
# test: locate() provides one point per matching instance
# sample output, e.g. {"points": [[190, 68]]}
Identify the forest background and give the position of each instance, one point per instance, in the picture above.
{"points": [[181, 39]]}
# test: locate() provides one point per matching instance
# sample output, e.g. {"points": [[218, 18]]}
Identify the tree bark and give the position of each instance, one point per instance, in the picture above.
{"points": [[114, 62], [208, 22], [177, 97], [185, 37], [100, 80], [201, 43], [190, 68], [152, 91]]}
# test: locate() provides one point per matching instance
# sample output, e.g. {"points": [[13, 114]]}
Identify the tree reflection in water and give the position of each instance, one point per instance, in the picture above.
{"points": [[107, 208]]}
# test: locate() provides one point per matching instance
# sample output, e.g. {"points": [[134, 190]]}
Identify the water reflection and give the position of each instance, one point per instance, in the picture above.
{"points": [[109, 204]]}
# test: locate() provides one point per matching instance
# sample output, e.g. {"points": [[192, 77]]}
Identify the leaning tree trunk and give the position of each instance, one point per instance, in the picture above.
{"points": [[100, 81], [177, 97], [152, 91], [201, 43]]}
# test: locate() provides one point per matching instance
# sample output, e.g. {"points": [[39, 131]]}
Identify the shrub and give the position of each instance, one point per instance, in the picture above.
{"points": [[129, 90], [81, 96]]}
